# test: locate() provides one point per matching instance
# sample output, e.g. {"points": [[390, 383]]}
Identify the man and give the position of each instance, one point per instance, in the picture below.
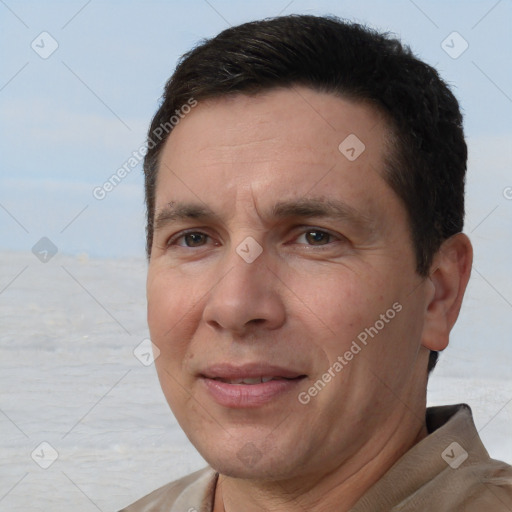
{"points": [[306, 265]]}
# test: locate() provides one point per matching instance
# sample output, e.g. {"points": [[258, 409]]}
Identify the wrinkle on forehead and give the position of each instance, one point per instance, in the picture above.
{"points": [[241, 155]]}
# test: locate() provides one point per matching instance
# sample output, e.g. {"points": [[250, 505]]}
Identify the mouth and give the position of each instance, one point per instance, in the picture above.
{"points": [[253, 380], [249, 386]]}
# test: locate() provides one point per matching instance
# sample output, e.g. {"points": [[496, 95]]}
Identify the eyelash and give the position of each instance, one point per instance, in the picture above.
{"points": [[172, 241]]}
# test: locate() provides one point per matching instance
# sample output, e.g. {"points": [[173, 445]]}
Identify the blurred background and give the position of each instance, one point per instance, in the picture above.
{"points": [[79, 83]]}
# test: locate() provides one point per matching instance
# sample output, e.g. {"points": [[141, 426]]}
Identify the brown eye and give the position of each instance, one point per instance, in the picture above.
{"points": [[194, 239], [190, 239], [317, 237]]}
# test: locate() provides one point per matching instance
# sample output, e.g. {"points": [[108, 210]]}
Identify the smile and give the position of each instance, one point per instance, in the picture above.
{"points": [[250, 385], [250, 380]]}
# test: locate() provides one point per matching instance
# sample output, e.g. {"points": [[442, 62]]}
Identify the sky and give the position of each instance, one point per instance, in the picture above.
{"points": [[80, 81]]}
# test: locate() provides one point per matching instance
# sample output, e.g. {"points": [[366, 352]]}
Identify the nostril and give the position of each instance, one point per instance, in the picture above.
{"points": [[257, 321]]}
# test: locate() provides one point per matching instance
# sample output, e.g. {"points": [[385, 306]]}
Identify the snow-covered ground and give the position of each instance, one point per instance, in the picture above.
{"points": [[69, 378]]}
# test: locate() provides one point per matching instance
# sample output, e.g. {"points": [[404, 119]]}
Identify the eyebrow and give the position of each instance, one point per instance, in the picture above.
{"points": [[320, 208], [298, 208], [175, 211]]}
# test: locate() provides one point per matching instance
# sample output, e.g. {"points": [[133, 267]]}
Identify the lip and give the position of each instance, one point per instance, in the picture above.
{"points": [[250, 370], [240, 396]]}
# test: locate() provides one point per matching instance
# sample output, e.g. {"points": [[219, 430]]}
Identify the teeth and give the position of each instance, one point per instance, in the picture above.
{"points": [[254, 380], [249, 380]]}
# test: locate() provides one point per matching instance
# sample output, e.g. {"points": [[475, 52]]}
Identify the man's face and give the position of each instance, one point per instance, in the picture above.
{"points": [[277, 253]]}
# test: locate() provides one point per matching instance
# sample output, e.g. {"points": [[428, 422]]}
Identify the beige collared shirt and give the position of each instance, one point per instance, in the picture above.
{"points": [[447, 471]]}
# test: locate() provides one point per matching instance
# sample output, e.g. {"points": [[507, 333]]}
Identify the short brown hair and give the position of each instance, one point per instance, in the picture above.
{"points": [[426, 166]]}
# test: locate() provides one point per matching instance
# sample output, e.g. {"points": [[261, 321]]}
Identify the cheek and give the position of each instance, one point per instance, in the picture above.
{"points": [[161, 308], [166, 315], [168, 310], [340, 303]]}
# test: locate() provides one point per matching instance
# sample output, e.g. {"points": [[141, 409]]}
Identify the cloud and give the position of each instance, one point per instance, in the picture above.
{"points": [[50, 123]]}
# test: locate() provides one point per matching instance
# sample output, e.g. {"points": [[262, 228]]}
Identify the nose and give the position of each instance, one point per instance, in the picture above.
{"points": [[248, 297]]}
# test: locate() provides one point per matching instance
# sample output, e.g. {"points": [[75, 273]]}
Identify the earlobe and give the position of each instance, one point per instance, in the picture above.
{"points": [[449, 277]]}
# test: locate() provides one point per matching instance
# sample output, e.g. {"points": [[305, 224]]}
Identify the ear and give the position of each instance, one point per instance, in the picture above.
{"points": [[449, 277]]}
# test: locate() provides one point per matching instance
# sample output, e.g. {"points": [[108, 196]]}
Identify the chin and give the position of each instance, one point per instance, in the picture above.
{"points": [[261, 472], [251, 460]]}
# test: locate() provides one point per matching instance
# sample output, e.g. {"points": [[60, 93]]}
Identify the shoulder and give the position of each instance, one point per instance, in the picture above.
{"points": [[448, 471], [196, 485], [489, 486], [470, 480]]}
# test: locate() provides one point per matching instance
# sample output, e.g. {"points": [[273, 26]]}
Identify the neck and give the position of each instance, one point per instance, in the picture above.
{"points": [[335, 491]]}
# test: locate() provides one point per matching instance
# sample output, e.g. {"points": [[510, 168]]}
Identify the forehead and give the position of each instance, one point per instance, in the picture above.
{"points": [[293, 142], [298, 117]]}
